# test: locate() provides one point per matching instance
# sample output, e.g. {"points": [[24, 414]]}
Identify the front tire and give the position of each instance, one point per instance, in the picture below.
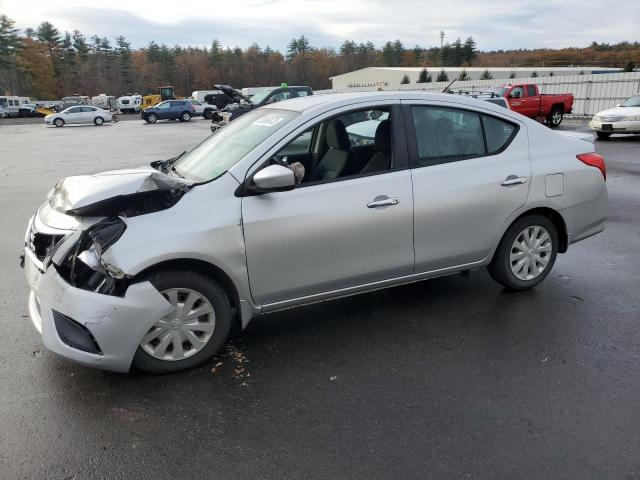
{"points": [[526, 253], [58, 122], [151, 118], [208, 114], [603, 135], [194, 332], [555, 117]]}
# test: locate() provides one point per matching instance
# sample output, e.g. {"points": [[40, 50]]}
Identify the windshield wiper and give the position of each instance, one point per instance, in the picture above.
{"points": [[175, 170]]}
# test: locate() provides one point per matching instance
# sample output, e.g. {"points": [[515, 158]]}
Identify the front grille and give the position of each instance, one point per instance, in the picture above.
{"points": [[41, 243], [612, 119]]}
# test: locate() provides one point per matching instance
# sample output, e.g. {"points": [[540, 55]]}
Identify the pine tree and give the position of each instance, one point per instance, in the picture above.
{"points": [[486, 75], [442, 76], [469, 50], [512, 75], [463, 75], [9, 41], [534, 74], [424, 76], [405, 80]]}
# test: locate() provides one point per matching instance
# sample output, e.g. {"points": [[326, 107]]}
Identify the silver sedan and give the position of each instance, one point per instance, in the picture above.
{"points": [[302, 201], [77, 115]]}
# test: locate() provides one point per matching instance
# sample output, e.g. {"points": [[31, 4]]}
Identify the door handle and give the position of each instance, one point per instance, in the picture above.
{"points": [[513, 180], [383, 202]]}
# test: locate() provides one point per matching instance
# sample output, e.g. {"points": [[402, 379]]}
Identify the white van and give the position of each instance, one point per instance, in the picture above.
{"points": [[200, 94], [130, 103], [11, 104]]}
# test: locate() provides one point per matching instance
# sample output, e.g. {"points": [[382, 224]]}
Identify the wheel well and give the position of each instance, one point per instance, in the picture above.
{"points": [[557, 220], [205, 268], [557, 106]]}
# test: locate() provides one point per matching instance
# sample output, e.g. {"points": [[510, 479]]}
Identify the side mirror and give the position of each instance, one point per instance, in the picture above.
{"points": [[515, 95], [274, 178], [618, 105]]}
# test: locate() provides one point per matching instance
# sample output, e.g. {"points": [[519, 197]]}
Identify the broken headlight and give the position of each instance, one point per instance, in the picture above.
{"points": [[85, 266]]}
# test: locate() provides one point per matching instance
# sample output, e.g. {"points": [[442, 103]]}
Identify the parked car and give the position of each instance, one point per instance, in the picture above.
{"points": [[28, 110], [80, 114], [625, 118], [198, 107], [128, 267], [525, 99], [240, 104], [501, 101], [181, 110]]}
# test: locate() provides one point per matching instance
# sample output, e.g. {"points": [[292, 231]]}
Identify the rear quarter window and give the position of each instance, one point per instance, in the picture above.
{"points": [[498, 134]]}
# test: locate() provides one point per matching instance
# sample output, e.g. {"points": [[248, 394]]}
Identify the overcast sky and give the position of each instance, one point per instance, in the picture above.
{"points": [[494, 24]]}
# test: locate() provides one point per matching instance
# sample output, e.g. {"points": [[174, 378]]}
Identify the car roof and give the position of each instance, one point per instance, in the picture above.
{"points": [[329, 101]]}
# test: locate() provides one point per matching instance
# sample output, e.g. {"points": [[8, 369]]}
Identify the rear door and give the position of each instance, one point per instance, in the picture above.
{"points": [[470, 172]]}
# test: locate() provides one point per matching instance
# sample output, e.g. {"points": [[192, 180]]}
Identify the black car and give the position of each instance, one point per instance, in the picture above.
{"points": [[240, 104]]}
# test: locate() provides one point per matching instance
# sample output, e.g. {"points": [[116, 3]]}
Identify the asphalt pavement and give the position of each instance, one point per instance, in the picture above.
{"points": [[449, 378]]}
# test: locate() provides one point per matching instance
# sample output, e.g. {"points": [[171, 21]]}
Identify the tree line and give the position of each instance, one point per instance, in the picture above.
{"points": [[45, 63]]}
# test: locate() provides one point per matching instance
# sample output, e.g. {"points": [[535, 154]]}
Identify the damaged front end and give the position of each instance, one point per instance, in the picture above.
{"points": [[87, 265], [97, 205]]}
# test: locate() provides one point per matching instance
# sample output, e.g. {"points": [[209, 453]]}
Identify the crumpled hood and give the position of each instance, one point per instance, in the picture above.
{"points": [[620, 111], [78, 194]]}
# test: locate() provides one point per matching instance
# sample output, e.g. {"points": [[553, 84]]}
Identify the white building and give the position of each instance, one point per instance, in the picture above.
{"points": [[391, 77]]}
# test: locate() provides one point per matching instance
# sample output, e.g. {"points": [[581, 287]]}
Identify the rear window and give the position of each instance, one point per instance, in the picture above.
{"points": [[531, 91], [498, 133]]}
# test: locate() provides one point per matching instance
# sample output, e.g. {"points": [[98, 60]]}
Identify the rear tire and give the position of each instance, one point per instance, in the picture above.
{"points": [[185, 117], [526, 253], [58, 122], [178, 285], [98, 121], [555, 117], [603, 135]]}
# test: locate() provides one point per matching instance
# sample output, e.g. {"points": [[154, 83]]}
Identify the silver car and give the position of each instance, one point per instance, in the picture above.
{"points": [[297, 202], [77, 115]]}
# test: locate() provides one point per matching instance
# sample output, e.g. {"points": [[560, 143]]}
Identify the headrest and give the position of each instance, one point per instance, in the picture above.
{"points": [[337, 136], [383, 137]]}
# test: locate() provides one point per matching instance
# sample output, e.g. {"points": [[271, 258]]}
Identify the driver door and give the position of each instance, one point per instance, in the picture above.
{"points": [[333, 236]]}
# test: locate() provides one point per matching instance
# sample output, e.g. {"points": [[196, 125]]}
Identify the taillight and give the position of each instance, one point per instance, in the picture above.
{"points": [[593, 160]]}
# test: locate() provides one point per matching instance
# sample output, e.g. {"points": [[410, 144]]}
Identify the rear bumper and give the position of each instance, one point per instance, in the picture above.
{"points": [[116, 323]]}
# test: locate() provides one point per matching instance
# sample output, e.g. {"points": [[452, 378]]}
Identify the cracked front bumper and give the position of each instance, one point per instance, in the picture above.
{"points": [[117, 323]]}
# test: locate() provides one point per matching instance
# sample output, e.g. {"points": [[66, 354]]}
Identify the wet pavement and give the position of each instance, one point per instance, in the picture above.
{"points": [[449, 378]]}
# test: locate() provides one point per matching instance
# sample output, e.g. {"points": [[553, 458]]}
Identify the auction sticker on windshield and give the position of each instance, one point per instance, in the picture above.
{"points": [[269, 120]]}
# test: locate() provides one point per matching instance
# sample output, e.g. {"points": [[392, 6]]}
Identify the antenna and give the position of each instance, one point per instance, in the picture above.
{"points": [[441, 38]]}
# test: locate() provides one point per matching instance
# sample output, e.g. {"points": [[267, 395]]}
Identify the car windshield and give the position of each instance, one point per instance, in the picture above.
{"points": [[261, 95], [631, 102], [497, 91], [226, 147]]}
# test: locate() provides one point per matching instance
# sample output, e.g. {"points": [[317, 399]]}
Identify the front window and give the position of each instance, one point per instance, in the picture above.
{"points": [[230, 144], [631, 102], [163, 105]]}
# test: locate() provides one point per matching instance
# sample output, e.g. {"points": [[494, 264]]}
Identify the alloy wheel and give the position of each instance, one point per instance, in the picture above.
{"points": [[183, 332], [530, 253]]}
